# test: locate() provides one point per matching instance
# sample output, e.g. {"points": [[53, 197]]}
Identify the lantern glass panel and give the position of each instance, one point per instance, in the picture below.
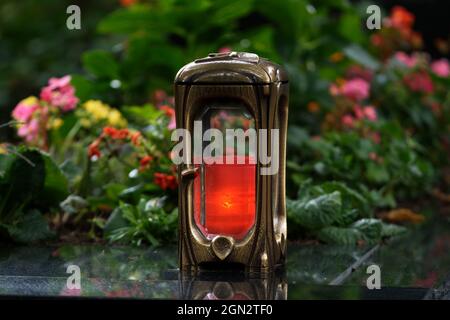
{"points": [[224, 192]]}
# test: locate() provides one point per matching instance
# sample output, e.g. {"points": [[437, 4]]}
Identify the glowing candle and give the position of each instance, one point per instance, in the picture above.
{"points": [[226, 203]]}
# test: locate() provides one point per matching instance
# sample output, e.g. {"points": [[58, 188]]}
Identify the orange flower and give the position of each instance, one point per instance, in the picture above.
{"points": [[159, 97], [145, 162], [136, 138], [127, 3], [401, 18], [336, 57], [165, 181], [93, 149], [168, 110], [170, 113], [313, 107], [116, 134]]}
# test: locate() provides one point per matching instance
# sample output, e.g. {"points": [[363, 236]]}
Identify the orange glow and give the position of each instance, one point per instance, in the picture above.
{"points": [[229, 199]]}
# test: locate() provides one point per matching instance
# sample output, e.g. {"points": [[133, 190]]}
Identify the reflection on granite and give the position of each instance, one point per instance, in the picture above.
{"points": [[110, 271], [421, 259], [411, 266]]}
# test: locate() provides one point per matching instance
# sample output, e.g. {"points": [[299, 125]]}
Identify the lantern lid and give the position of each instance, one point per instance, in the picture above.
{"points": [[231, 67]]}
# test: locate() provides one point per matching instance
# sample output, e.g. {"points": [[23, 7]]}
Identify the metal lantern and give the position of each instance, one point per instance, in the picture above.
{"points": [[232, 213]]}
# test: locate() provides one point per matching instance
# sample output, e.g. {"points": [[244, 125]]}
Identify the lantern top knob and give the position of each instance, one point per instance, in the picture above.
{"points": [[231, 67]]}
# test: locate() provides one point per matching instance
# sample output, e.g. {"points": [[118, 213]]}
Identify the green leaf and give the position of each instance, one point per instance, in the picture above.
{"points": [[361, 56], [230, 10], [369, 228], [33, 227], [137, 18], [56, 186], [101, 64], [143, 115], [114, 222], [391, 230], [350, 197], [377, 173], [316, 212], [342, 236], [84, 88], [350, 27], [24, 180]]}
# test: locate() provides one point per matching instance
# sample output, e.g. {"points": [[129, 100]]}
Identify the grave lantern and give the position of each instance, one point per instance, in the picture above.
{"points": [[234, 108]]}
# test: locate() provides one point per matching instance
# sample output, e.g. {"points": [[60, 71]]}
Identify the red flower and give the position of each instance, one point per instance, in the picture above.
{"points": [[165, 181], [159, 97], [116, 134], [225, 50], [419, 82], [145, 162], [401, 18], [348, 121], [356, 71], [127, 3], [136, 138], [93, 149], [168, 110], [170, 113]]}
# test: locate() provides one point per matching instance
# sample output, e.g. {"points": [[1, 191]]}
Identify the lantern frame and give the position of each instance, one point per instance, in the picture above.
{"points": [[262, 86]]}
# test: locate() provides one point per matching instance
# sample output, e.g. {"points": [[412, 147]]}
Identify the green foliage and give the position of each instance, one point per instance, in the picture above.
{"points": [[147, 222], [396, 165], [317, 212], [29, 181], [335, 213], [344, 175]]}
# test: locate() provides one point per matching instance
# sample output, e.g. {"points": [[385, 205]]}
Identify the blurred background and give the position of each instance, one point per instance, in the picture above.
{"points": [[369, 113], [36, 45]]}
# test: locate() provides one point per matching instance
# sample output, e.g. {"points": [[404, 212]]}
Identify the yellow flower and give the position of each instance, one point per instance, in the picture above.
{"points": [[97, 109], [30, 101], [3, 149], [115, 119], [56, 123], [85, 123]]}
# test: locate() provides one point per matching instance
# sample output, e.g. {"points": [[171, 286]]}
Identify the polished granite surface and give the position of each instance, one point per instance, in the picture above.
{"points": [[415, 266]]}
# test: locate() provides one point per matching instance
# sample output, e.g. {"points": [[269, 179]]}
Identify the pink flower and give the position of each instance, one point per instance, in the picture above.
{"points": [[376, 137], [367, 112], [409, 61], [225, 50], [359, 113], [29, 130], [334, 89], [60, 93], [419, 82], [441, 68], [373, 156], [25, 109], [348, 121], [356, 71], [370, 113], [169, 112], [355, 89]]}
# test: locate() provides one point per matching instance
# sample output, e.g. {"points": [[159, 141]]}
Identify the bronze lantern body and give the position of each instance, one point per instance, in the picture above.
{"points": [[261, 89]]}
